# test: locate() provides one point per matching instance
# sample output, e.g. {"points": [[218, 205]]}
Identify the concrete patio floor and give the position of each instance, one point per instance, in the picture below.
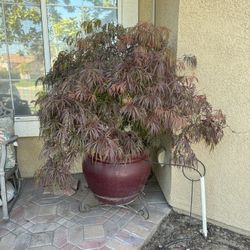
{"points": [[44, 221]]}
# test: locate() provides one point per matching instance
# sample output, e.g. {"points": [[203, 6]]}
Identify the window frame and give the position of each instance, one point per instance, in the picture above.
{"points": [[29, 126]]}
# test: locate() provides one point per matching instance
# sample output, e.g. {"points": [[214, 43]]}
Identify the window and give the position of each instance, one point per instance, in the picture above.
{"points": [[23, 35], [32, 33]]}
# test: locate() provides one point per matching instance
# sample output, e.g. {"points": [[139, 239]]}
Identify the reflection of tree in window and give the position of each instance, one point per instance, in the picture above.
{"points": [[66, 16], [24, 38]]}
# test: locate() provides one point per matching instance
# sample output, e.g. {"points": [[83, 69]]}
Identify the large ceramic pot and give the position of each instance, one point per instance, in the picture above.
{"points": [[116, 183]]}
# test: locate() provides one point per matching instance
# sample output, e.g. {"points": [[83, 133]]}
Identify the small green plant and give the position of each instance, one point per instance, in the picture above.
{"points": [[114, 94]]}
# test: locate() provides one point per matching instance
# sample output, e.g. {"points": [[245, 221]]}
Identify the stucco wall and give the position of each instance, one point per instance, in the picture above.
{"points": [[28, 153], [167, 12], [30, 158], [146, 11], [218, 33]]}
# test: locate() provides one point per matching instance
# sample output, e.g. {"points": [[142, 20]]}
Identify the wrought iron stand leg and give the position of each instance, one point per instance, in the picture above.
{"points": [[143, 211]]}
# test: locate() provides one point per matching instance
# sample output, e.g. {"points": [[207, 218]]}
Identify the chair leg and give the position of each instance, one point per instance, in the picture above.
{"points": [[4, 197], [18, 181]]}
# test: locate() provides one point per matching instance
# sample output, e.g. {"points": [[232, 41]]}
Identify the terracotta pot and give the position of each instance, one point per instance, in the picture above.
{"points": [[118, 183]]}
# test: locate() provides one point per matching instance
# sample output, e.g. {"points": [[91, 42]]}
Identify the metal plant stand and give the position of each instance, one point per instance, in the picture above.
{"points": [[142, 210]]}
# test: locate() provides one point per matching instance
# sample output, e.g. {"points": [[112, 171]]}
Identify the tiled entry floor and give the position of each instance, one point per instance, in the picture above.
{"points": [[44, 222]]}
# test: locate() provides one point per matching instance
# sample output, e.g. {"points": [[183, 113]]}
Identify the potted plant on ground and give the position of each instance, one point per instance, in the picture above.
{"points": [[111, 97]]}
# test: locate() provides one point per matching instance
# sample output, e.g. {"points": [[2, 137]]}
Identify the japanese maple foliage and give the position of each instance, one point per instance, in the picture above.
{"points": [[114, 93]]}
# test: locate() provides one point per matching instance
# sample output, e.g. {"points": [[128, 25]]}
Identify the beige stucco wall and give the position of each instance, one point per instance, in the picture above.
{"points": [[167, 13], [30, 158], [218, 33], [28, 153], [146, 11]]}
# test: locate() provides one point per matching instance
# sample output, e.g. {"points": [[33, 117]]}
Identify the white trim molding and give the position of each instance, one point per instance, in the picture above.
{"points": [[128, 12], [27, 126]]}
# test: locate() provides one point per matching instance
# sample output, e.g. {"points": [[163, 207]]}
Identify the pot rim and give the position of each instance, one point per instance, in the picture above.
{"points": [[134, 159]]}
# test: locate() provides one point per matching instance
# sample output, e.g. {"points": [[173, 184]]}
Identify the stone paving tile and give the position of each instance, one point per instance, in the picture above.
{"points": [[60, 237], [8, 225], [21, 221], [48, 199], [144, 223], [76, 248], [110, 228], [17, 214], [19, 230], [122, 212], [24, 199], [92, 244], [41, 239], [93, 212], [116, 244], [44, 248], [163, 207], [47, 210], [115, 218], [126, 218], [64, 210], [81, 195], [89, 220], [106, 248], [68, 246], [110, 212], [49, 222], [130, 238], [74, 206], [43, 227], [155, 214], [8, 242], [31, 211], [61, 221], [22, 241], [76, 234], [154, 197], [27, 225], [69, 224], [46, 219], [90, 199], [3, 231], [93, 232], [138, 230]]}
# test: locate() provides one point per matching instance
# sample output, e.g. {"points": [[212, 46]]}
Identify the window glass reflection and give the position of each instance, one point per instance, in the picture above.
{"points": [[23, 23], [22, 56], [85, 3], [26, 63], [65, 18]]}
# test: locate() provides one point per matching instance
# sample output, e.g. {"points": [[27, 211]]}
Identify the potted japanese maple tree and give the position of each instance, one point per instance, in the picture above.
{"points": [[111, 97]]}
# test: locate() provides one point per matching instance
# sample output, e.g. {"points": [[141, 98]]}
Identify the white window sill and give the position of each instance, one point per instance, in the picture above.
{"points": [[27, 126]]}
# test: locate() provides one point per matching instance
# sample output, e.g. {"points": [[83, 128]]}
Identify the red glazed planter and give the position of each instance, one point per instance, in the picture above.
{"points": [[116, 183]]}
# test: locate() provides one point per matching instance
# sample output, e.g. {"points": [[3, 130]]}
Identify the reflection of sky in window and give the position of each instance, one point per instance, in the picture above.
{"points": [[85, 3], [18, 48], [59, 14], [27, 26], [3, 50]]}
